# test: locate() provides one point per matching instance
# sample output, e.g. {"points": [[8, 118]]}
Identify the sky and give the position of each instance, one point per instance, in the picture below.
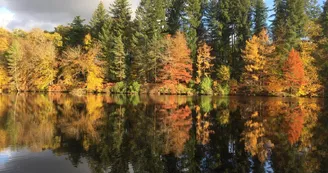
{"points": [[46, 14]]}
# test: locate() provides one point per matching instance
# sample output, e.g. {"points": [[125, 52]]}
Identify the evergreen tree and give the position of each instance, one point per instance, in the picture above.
{"points": [[313, 9], [121, 20], [117, 64], [296, 19], [260, 16], [105, 38], [278, 24], [98, 20], [288, 24], [115, 30], [75, 35], [229, 27], [193, 16], [138, 61], [324, 19], [149, 26], [174, 15]]}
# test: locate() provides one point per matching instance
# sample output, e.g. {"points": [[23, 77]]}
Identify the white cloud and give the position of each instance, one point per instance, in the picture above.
{"points": [[47, 14], [5, 17]]}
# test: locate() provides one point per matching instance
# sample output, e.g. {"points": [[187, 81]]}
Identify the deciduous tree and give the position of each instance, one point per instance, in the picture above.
{"points": [[294, 71], [204, 62]]}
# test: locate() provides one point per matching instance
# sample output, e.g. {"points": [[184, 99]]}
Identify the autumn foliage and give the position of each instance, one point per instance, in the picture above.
{"points": [[177, 64], [204, 62], [294, 71]]}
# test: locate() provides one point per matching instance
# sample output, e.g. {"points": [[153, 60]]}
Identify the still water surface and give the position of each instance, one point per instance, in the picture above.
{"points": [[99, 133]]}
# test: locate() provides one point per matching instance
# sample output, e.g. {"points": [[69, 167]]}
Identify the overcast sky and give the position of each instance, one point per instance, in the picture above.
{"points": [[46, 14]]}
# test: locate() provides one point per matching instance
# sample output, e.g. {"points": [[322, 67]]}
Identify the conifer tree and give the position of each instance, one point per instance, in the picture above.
{"points": [[98, 20], [75, 35], [193, 21], [260, 16], [117, 30], [324, 19], [313, 9], [288, 24], [149, 26], [174, 16], [121, 20], [117, 64]]}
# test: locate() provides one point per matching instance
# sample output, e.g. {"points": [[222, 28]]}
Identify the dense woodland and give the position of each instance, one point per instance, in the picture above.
{"points": [[221, 47]]}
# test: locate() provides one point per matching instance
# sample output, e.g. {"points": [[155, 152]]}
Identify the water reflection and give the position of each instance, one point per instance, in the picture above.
{"points": [[100, 133]]}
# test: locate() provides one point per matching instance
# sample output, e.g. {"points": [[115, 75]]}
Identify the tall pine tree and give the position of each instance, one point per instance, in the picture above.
{"points": [[324, 19], [174, 16], [98, 20], [149, 26], [193, 17], [260, 16], [116, 34], [288, 24], [117, 65]]}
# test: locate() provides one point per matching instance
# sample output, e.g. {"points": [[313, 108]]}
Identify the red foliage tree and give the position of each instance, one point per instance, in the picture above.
{"points": [[177, 63], [294, 70]]}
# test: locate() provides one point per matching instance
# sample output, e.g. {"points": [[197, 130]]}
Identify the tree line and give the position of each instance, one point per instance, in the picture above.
{"points": [[176, 47]]}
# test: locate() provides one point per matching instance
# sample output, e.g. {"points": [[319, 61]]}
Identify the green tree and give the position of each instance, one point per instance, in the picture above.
{"points": [[229, 28], [75, 35], [324, 19], [260, 16], [193, 21], [121, 20], [174, 16], [313, 9], [98, 20], [117, 64], [149, 25], [288, 24]]}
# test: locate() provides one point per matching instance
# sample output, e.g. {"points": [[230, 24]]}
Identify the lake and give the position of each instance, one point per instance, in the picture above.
{"points": [[100, 133]]}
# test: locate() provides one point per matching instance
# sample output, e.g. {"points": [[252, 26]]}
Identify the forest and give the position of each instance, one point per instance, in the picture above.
{"points": [[185, 47]]}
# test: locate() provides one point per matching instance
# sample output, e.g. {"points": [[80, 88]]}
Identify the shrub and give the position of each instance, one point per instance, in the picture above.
{"points": [[222, 89], [223, 73], [182, 89], [134, 88], [119, 87], [205, 87]]}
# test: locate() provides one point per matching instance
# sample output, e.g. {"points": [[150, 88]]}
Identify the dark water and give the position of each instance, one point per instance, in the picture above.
{"points": [[97, 133]]}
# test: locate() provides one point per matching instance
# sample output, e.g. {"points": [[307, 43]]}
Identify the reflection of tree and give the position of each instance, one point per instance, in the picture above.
{"points": [[170, 134], [80, 118], [31, 122], [254, 137], [202, 126], [295, 120], [176, 126]]}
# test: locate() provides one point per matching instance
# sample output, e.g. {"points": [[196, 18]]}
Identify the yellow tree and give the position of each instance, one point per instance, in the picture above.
{"points": [[177, 65], [312, 84], [256, 58], [4, 40], [82, 68], [4, 45], [203, 61], [39, 60]]}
